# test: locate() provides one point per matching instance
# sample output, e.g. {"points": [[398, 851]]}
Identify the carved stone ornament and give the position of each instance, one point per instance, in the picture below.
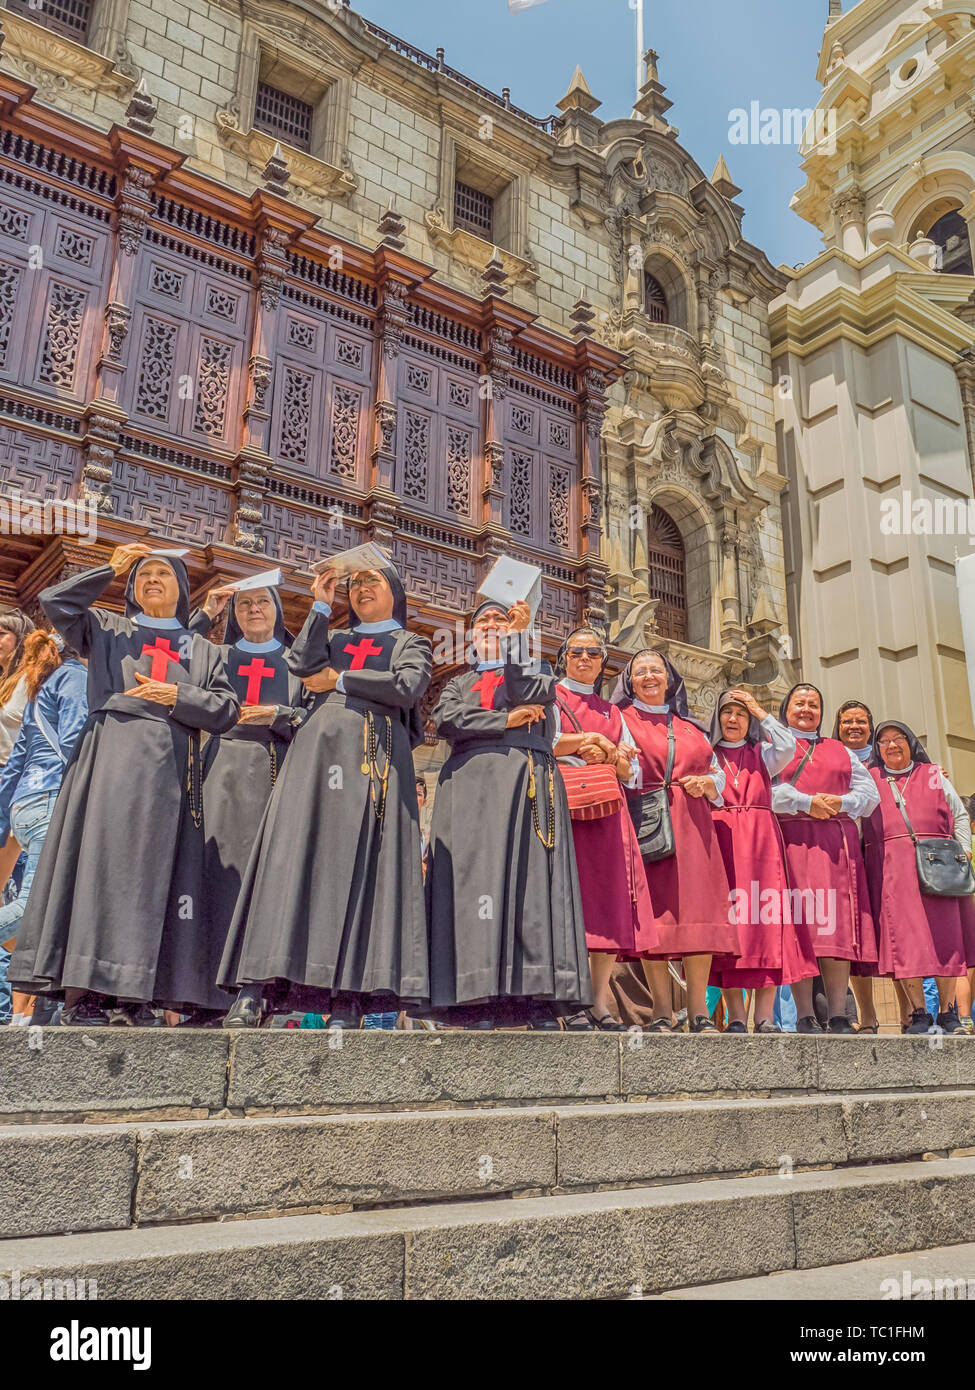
{"points": [[313, 176], [54, 63], [470, 250]]}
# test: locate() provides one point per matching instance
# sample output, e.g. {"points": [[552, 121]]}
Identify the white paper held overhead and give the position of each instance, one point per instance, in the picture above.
{"points": [[510, 581], [361, 557]]}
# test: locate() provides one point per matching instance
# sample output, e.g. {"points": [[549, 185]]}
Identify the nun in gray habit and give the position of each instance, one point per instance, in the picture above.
{"points": [[507, 939], [330, 917], [115, 910]]}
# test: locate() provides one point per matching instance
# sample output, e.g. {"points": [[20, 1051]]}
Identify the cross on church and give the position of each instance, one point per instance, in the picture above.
{"points": [[487, 685], [255, 672], [359, 653], [162, 654]]}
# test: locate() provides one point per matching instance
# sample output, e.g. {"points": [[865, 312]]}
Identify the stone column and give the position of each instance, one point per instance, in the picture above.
{"points": [[848, 209]]}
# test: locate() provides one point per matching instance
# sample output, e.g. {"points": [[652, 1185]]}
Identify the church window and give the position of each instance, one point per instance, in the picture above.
{"points": [[68, 17], [285, 117], [950, 232], [654, 299], [668, 575], [473, 211]]}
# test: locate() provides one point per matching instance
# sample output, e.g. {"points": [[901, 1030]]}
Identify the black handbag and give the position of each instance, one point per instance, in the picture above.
{"points": [[650, 812], [944, 870]]}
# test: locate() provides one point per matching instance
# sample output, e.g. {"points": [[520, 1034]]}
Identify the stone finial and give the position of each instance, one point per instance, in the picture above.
{"points": [[276, 175], [652, 103], [495, 277], [391, 228], [835, 10], [141, 110], [579, 97], [581, 318], [722, 180]]}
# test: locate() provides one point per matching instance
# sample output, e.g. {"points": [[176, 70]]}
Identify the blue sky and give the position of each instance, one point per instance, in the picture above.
{"points": [[715, 55]]}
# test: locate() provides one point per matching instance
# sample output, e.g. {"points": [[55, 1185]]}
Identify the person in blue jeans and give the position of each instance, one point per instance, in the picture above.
{"points": [[785, 1012], [53, 718]]}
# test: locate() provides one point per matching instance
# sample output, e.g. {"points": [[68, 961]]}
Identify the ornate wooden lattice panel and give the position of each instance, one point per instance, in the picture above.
{"points": [[322, 389], [439, 578], [187, 349], [37, 468], [438, 437], [300, 537], [52, 273], [542, 473], [183, 508]]}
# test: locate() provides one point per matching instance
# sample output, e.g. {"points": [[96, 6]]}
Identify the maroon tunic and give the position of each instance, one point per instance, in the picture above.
{"points": [[754, 857], [689, 891], [615, 898], [920, 936], [824, 862]]}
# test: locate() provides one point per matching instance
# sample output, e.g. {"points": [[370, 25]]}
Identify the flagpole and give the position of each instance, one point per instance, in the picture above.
{"points": [[639, 47]]}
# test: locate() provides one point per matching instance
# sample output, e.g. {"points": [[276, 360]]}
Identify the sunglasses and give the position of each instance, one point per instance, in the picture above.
{"points": [[584, 651]]}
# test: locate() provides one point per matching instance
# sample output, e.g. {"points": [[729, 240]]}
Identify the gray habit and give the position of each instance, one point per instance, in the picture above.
{"points": [[116, 903], [332, 898], [505, 911]]}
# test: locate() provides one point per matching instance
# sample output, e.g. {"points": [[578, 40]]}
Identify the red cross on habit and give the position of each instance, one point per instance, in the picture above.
{"points": [[162, 654], [256, 672], [359, 653], [487, 685]]}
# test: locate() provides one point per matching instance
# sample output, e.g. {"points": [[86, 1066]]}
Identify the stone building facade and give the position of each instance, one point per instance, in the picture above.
{"points": [[335, 288], [874, 346]]}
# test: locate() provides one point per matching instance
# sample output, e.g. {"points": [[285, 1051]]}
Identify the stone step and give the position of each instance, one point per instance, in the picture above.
{"points": [[103, 1074], [74, 1177], [596, 1245], [947, 1273]]}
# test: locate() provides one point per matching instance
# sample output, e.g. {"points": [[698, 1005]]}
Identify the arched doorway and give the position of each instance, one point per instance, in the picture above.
{"points": [[949, 230], [668, 574]]}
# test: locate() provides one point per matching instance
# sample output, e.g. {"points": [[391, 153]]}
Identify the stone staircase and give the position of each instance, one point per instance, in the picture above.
{"points": [[175, 1164]]}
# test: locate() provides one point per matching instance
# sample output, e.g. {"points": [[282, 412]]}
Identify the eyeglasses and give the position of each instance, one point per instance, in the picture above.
{"points": [[892, 743], [584, 651]]}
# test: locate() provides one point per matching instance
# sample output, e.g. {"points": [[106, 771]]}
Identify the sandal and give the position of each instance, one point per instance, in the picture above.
{"points": [[735, 1027], [660, 1025], [702, 1024], [605, 1024], [579, 1022], [868, 1028]]}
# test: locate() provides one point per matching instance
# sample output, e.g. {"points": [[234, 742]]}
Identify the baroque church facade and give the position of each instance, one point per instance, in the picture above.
{"points": [[300, 283]]}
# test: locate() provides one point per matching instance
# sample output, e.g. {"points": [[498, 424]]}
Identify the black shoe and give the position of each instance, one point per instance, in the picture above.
{"points": [[247, 1012], [809, 1024], [767, 1026], [702, 1024], [736, 1027], [949, 1022], [841, 1024], [921, 1022], [85, 1014], [606, 1023], [542, 1019], [45, 1013]]}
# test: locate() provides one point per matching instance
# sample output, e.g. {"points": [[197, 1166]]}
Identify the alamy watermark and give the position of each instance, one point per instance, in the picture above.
{"points": [[18, 1288], [768, 125], [23, 515]]}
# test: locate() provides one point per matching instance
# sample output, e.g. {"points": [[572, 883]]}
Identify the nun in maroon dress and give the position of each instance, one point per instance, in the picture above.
{"points": [[689, 891], [818, 798], [920, 935], [615, 897], [751, 747]]}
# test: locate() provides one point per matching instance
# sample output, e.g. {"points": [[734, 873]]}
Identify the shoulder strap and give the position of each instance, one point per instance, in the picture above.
{"points": [[565, 710], [671, 751], [899, 803], [805, 758], [47, 731]]}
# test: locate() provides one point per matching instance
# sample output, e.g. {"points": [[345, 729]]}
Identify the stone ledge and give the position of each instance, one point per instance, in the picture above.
{"points": [[598, 1245]]}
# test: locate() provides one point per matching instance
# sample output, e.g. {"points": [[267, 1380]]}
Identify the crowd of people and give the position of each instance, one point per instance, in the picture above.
{"points": [[221, 834]]}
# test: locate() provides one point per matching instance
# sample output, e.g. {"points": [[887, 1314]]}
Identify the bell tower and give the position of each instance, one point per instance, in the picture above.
{"points": [[874, 355]]}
